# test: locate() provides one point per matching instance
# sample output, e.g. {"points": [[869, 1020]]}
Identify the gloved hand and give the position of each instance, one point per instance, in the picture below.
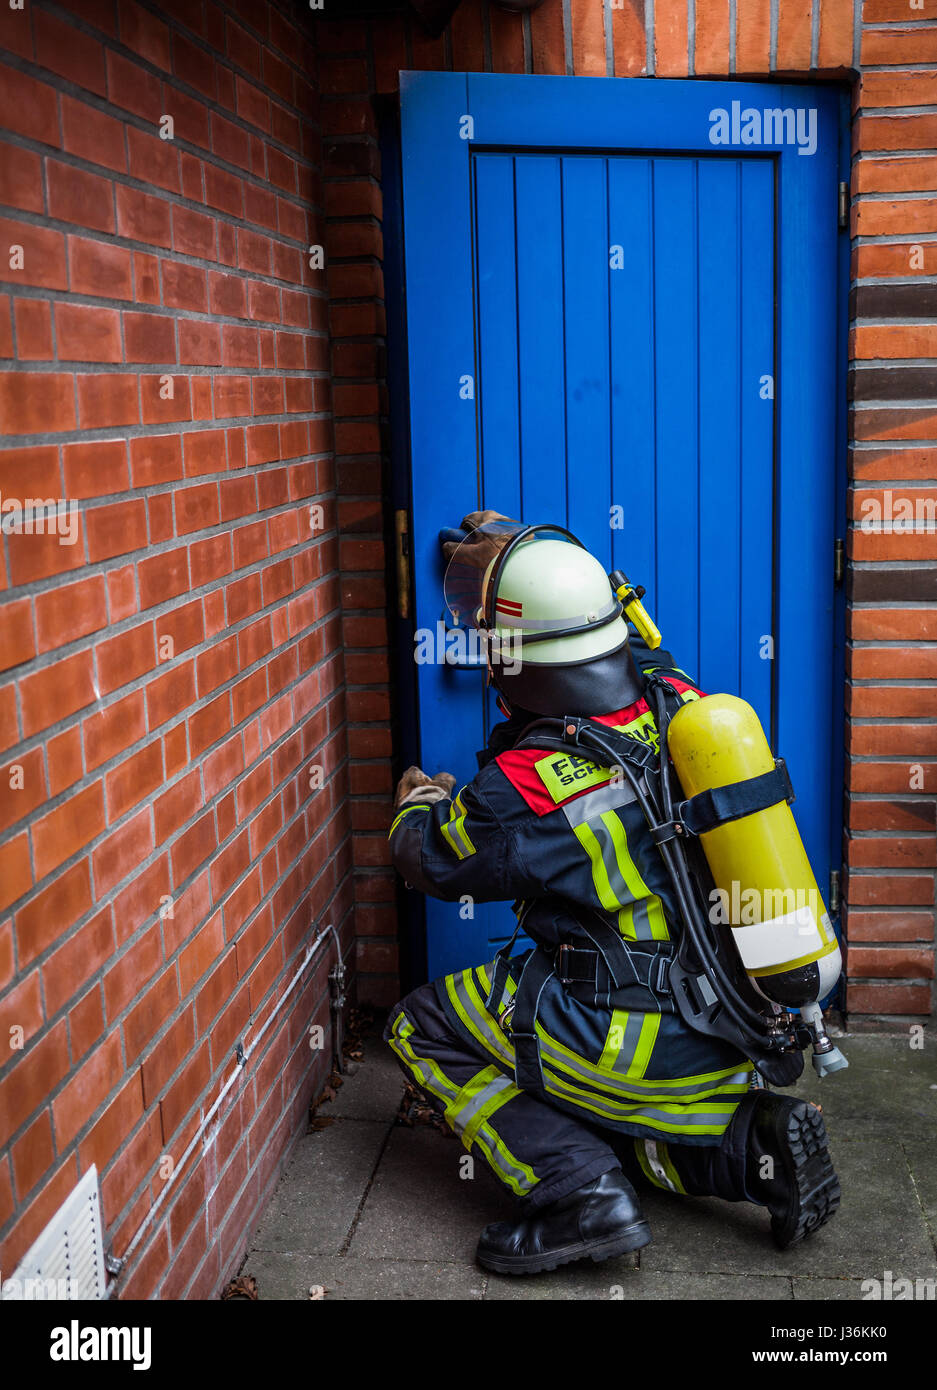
{"points": [[417, 785], [488, 546]]}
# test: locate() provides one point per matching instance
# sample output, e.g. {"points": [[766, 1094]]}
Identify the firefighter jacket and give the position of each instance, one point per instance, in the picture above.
{"points": [[585, 1020]]}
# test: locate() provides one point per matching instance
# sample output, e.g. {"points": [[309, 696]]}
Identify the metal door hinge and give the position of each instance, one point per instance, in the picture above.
{"points": [[839, 560], [834, 892], [843, 203], [402, 533]]}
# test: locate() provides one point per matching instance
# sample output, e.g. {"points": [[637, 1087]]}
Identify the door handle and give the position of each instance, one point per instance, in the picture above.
{"points": [[471, 661]]}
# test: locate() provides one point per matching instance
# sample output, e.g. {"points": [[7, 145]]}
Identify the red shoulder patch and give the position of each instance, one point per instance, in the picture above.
{"points": [[519, 765]]}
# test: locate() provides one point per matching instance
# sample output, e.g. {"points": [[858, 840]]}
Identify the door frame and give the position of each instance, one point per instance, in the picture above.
{"points": [[662, 116]]}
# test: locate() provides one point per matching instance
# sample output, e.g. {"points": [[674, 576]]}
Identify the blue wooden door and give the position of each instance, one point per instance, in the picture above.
{"points": [[616, 325]]}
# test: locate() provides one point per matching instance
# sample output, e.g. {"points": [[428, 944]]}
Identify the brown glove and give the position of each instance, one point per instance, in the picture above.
{"points": [[417, 785], [488, 546]]}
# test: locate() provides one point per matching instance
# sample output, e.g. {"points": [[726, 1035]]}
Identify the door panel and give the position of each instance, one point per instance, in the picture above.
{"points": [[623, 317]]}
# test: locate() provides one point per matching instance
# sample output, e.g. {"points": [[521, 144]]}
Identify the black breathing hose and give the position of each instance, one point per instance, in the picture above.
{"points": [[751, 1020]]}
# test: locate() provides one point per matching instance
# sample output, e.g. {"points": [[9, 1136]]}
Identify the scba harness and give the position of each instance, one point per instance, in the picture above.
{"points": [[700, 978]]}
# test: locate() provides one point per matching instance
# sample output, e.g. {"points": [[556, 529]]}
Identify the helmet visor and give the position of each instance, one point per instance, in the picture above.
{"points": [[472, 566], [469, 569]]}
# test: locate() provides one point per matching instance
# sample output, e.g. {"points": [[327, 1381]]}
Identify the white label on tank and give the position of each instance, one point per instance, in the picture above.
{"points": [[778, 940]]}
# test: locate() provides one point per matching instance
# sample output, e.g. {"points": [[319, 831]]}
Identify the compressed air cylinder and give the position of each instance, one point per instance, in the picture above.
{"points": [[766, 888]]}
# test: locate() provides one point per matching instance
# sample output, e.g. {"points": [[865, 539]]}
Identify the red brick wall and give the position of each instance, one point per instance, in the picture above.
{"points": [[889, 848], [169, 680], [891, 697], [138, 777]]}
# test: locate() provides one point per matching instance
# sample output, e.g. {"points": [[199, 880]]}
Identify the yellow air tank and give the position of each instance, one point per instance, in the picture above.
{"points": [[766, 887]]}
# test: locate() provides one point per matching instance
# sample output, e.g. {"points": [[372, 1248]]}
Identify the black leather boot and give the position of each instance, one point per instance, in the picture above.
{"points": [[788, 1166], [599, 1220]]}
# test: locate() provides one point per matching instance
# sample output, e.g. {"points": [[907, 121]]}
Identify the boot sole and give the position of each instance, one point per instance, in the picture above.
{"points": [[810, 1170], [631, 1238]]}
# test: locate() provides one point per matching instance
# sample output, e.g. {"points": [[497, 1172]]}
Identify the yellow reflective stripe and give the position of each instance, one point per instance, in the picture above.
{"points": [[663, 1153], [454, 832], [497, 1042], [630, 877], [655, 915], [626, 865], [734, 1079], [646, 1168], [484, 985], [654, 1115], [643, 1090], [424, 1068], [599, 872], [484, 979], [643, 1047], [642, 1053], [688, 1116], [464, 1098], [447, 836], [492, 1042], [509, 1168], [656, 1165], [417, 806], [615, 1038], [460, 823]]}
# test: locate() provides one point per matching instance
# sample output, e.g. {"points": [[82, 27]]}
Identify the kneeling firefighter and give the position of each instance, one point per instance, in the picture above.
{"points": [[625, 1044]]}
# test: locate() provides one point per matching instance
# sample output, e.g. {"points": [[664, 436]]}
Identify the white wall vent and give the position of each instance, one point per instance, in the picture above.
{"points": [[67, 1259]]}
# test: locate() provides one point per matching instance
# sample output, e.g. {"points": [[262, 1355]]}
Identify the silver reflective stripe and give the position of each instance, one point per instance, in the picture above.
{"points": [[641, 921], [486, 1027], [422, 1068], [500, 1160], [629, 1043], [642, 1114], [610, 859], [594, 804], [457, 830], [621, 1089], [657, 1168], [507, 620], [459, 1118]]}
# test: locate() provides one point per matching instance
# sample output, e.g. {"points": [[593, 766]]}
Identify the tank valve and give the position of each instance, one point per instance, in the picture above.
{"points": [[827, 1057]]}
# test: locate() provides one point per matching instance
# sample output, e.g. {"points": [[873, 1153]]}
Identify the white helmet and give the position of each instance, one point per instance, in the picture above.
{"points": [[558, 640]]}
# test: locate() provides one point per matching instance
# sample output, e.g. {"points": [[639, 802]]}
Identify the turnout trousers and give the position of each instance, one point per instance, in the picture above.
{"points": [[686, 1134]]}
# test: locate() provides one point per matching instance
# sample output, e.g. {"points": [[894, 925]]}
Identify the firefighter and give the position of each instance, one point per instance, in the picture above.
{"points": [[568, 1067]]}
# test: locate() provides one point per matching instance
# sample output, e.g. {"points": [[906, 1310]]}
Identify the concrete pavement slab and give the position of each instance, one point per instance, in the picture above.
{"points": [[418, 1206], [615, 1281], [879, 1226], [291, 1276], [393, 1200], [837, 1290], [373, 1092], [316, 1201], [889, 1088]]}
